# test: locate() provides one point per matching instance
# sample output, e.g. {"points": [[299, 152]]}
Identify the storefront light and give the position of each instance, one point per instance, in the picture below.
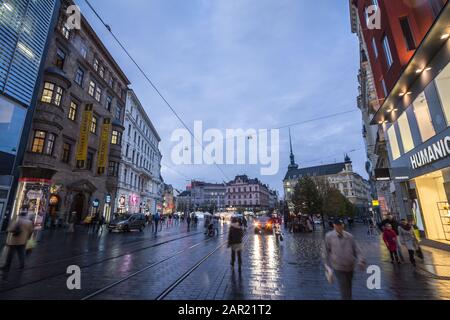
{"points": [[445, 36]]}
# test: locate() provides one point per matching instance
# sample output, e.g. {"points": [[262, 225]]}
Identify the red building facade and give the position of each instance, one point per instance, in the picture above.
{"points": [[404, 24]]}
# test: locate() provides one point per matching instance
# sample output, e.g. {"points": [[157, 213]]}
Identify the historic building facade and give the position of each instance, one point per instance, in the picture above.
{"points": [[207, 196], [250, 194], [72, 157], [338, 175], [140, 170]]}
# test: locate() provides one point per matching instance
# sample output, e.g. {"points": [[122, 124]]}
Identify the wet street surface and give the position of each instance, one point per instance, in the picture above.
{"points": [[185, 264]]}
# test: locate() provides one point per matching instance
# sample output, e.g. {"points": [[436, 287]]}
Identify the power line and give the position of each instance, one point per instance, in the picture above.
{"points": [[149, 80]]}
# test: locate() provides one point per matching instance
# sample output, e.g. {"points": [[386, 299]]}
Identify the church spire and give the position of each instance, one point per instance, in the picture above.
{"points": [[292, 165]]}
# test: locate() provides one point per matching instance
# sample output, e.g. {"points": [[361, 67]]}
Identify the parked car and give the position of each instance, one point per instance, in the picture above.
{"points": [[263, 224], [128, 222]]}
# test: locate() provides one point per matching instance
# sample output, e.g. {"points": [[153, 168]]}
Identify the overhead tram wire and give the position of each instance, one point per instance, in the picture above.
{"points": [[148, 79], [175, 112]]}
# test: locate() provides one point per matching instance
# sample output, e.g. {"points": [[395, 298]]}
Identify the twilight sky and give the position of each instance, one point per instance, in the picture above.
{"points": [[243, 64]]}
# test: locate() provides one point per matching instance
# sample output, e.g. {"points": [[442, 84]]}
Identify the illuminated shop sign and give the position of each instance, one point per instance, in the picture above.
{"points": [[437, 151]]}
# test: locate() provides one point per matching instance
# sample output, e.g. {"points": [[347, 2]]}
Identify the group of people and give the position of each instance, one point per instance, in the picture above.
{"points": [[300, 223], [343, 255], [400, 234]]}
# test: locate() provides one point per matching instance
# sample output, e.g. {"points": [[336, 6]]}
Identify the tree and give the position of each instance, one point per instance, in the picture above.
{"points": [[306, 197]]}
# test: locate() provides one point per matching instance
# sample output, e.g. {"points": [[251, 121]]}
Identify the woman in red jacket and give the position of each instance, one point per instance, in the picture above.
{"points": [[390, 239]]}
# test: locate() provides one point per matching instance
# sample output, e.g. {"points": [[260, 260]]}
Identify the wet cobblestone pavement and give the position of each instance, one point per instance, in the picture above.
{"points": [[182, 264]]}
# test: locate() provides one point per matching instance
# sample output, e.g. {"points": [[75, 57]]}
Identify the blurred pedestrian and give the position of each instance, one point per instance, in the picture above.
{"points": [[72, 220], [156, 220], [235, 237], [342, 254], [408, 239], [19, 233], [390, 239]]}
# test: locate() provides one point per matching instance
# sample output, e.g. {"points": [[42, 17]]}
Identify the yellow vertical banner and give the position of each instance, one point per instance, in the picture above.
{"points": [[83, 140], [104, 145]]}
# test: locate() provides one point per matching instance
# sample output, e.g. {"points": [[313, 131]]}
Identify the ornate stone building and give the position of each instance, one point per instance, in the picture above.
{"points": [[140, 170], [339, 175], [73, 153], [250, 194]]}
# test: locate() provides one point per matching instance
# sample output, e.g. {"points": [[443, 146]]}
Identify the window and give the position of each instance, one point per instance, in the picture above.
{"points": [[118, 114], [443, 84], [127, 151], [116, 137], [113, 169], [423, 117], [91, 89], [60, 58], [96, 64], [108, 103], [94, 125], [101, 71], [98, 94], [72, 115], [58, 96], [52, 93], [89, 160], [65, 31], [38, 141], [83, 51], [375, 48], [79, 77], [50, 143], [407, 34], [405, 132], [67, 150], [111, 82], [387, 52], [385, 91], [47, 94]]}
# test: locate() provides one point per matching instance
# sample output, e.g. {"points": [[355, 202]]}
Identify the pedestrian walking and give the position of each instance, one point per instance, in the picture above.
{"points": [[19, 233], [408, 239], [72, 220], [216, 225], [390, 239], [156, 219], [101, 223], [235, 237], [188, 221], [342, 254]]}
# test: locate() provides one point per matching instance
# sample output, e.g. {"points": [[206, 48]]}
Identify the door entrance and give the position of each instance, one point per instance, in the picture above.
{"points": [[78, 206]]}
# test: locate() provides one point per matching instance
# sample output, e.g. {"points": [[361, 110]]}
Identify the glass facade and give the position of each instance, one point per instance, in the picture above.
{"points": [[395, 150], [23, 26], [405, 132], [443, 87], [423, 117], [11, 115]]}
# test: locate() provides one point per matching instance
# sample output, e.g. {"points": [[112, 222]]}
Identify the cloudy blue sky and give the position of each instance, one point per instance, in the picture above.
{"points": [[243, 64]]}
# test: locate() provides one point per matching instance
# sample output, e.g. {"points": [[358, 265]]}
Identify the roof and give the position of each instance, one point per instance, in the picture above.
{"points": [[323, 170], [186, 193]]}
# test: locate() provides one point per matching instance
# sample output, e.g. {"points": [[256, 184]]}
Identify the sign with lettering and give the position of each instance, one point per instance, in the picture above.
{"points": [[437, 151], [83, 140], [103, 145]]}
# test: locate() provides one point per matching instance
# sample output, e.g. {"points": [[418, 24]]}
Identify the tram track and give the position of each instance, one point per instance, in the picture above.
{"points": [[173, 284], [54, 275]]}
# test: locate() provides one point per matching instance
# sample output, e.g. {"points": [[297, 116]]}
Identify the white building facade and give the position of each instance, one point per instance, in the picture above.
{"points": [[140, 169]]}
